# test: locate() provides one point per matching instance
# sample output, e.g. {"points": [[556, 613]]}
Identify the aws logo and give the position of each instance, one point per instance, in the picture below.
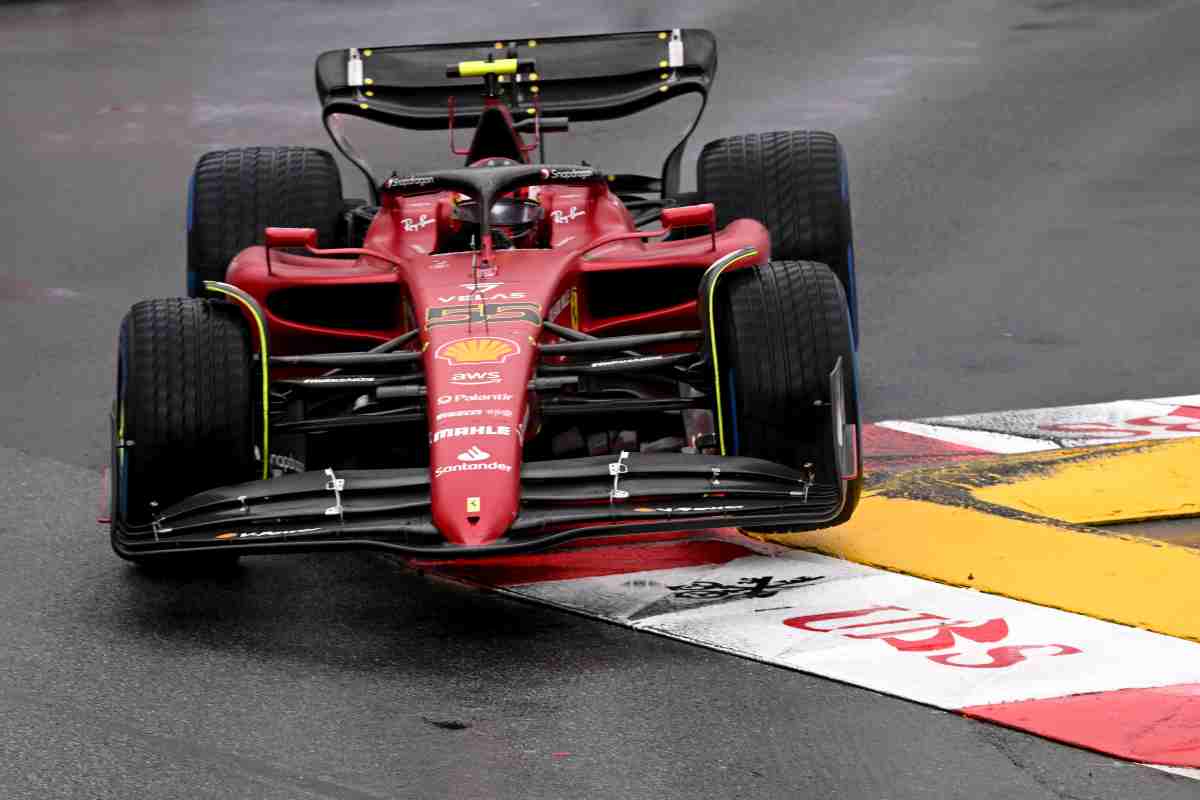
{"points": [[475, 378]]}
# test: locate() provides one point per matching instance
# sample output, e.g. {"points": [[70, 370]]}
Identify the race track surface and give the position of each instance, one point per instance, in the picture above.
{"points": [[1024, 177]]}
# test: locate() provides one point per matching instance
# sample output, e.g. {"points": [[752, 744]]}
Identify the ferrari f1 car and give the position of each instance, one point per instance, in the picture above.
{"points": [[501, 356]]}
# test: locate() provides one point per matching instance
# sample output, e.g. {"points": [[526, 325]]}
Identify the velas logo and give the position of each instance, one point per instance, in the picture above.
{"points": [[477, 350], [474, 453]]}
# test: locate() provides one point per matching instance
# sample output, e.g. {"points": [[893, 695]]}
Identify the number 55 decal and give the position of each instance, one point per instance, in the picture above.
{"points": [[483, 312]]}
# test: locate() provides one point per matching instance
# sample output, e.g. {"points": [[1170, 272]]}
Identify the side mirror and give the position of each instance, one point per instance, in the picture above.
{"points": [[701, 215], [291, 237]]}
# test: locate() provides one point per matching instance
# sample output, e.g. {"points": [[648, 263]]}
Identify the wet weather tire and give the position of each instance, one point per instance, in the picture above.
{"points": [[781, 329], [235, 194], [184, 415], [795, 184]]}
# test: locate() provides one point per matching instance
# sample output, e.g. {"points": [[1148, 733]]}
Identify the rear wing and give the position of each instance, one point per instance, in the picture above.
{"points": [[582, 78]]}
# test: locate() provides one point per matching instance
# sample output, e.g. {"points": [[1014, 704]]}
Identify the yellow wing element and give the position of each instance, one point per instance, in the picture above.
{"points": [[477, 69]]}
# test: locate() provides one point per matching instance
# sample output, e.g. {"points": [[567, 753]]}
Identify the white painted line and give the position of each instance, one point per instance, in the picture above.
{"points": [[1192, 400], [1183, 772], [1034, 429], [972, 434]]}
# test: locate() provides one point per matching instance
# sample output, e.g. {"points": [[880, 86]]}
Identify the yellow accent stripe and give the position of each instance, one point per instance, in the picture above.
{"points": [[712, 338], [940, 524], [264, 360], [475, 69], [1125, 484]]}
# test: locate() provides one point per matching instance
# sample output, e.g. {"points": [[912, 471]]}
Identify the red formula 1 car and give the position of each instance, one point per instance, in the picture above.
{"points": [[501, 356]]}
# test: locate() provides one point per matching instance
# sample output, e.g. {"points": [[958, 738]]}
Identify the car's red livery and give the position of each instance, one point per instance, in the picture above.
{"points": [[499, 356]]}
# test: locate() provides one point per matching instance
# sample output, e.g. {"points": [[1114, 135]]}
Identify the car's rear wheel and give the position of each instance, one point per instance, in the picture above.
{"points": [[184, 413], [781, 329], [235, 194], [795, 183]]}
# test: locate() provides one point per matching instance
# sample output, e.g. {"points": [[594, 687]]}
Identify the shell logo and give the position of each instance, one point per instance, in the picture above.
{"points": [[478, 350]]}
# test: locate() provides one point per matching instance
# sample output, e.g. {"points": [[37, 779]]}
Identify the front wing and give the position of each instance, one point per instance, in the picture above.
{"points": [[389, 509]]}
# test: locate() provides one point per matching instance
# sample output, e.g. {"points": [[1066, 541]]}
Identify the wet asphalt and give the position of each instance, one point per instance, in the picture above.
{"points": [[1025, 181]]}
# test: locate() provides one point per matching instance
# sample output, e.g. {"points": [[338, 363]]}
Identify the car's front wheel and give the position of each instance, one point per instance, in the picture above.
{"points": [[782, 328], [184, 412]]}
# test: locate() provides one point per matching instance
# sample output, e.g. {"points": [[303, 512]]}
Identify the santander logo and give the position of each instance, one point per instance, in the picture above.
{"points": [[474, 454]]}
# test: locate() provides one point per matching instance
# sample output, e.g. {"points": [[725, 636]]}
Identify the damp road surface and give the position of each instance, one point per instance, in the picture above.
{"points": [[1024, 178]]}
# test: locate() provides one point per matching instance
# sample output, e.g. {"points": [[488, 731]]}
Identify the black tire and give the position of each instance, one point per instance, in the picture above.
{"points": [[782, 327], [235, 194], [185, 405], [794, 183]]}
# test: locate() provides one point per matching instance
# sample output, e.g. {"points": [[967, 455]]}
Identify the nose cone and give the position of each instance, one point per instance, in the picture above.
{"points": [[476, 471], [476, 401]]}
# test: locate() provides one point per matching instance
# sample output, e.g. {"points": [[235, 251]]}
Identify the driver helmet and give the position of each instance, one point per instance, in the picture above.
{"points": [[514, 217], [514, 220]]}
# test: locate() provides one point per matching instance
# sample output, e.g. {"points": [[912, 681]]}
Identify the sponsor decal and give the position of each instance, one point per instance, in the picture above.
{"points": [[560, 218], [702, 594], [439, 263], [1180, 419], [560, 305], [286, 463], [471, 430], [476, 292], [466, 412], [926, 634], [618, 361], [477, 350], [474, 453], [411, 224], [685, 509], [568, 299], [568, 173], [477, 296], [475, 378], [500, 397], [407, 181], [766, 586], [473, 505], [473, 412], [482, 313], [262, 534], [347, 379], [490, 466]]}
